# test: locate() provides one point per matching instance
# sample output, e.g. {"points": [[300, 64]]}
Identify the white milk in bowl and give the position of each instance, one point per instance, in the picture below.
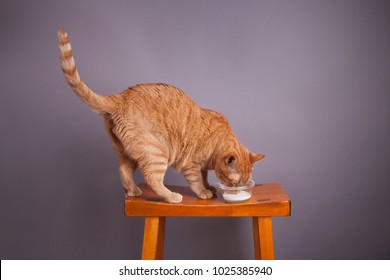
{"points": [[237, 194]]}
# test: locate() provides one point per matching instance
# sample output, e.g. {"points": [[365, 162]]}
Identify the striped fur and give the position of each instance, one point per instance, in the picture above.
{"points": [[153, 126], [100, 104]]}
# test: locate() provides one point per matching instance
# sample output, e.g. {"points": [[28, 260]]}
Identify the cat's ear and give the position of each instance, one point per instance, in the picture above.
{"points": [[231, 161], [256, 157]]}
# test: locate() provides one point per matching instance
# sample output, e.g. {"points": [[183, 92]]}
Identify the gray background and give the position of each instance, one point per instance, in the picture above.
{"points": [[307, 83]]}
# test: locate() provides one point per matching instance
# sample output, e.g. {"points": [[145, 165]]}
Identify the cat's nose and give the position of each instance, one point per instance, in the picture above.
{"points": [[234, 179]]}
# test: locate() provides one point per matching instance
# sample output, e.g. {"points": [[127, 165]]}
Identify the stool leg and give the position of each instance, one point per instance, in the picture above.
{"points": [[153, 245], [263, 241]]}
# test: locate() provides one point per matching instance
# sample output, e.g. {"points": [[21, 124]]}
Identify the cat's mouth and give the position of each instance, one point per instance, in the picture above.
{"points": [[232, 185], [226, 181]]}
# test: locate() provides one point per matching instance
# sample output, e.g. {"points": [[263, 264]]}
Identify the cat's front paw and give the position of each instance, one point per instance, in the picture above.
{"points": [[174, 198], [206, 194], [212, 189]]}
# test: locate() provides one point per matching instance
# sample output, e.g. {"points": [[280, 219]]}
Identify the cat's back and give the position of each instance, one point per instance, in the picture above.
{"points": [[158, 107], [158, 97]]}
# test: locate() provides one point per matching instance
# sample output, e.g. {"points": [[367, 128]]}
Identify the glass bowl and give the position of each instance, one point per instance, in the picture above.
{"points": [[237, 194]]}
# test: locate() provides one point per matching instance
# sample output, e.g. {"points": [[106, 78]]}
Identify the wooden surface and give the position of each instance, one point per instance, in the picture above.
{"points": [[267, 200]]}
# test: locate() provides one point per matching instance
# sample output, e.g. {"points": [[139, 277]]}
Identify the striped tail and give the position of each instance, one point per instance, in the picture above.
{"points": [[98, 103]]}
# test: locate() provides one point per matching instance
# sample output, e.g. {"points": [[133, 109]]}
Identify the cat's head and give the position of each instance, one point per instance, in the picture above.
{"points": [[234, 168]]}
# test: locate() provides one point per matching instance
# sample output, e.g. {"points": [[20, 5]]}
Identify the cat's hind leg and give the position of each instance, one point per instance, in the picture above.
{"points": [[127, 168]]}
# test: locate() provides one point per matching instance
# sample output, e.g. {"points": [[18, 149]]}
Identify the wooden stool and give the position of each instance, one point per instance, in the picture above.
{"points": [[267, 201]]}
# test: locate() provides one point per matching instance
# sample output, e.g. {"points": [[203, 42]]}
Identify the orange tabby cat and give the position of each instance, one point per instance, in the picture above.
{"points": [[153, 126]]}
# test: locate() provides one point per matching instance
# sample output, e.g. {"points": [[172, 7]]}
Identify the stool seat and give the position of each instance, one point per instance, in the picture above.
{"points": [[268, 200]]}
